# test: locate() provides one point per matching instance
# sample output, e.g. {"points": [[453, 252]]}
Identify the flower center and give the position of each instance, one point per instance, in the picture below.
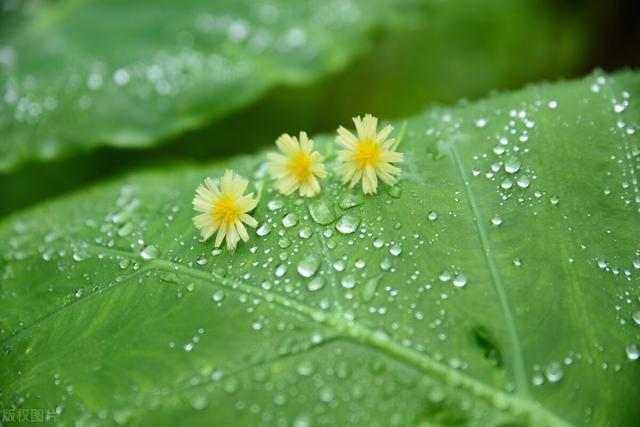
{"points": [[300, 166], [225, 210], [367, 153]]}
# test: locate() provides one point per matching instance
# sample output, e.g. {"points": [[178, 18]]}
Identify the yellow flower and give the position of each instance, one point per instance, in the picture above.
{"points": [[224, 209], [298, 168], [368, 156]]}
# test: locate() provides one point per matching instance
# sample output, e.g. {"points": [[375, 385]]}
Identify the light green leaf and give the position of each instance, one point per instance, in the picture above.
{"points": [[79, 74], [497, 284]]}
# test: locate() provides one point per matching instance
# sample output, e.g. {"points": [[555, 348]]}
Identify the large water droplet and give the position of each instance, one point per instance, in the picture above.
{"points": [[633, 353], [512, 165], [348, 282], [349, 200], [308, 266], [322, 212], [218, 295], [460, 281], [347, 224], [290, 219], [150, 252], [264, 229], [315, 284]]}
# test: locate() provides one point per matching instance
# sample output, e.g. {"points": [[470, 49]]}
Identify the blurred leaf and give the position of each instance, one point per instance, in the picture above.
{"points": [[497, 284], [76, 75]]}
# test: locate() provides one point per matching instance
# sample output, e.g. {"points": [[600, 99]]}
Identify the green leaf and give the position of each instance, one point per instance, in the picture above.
{"points": [[497, 284], [77, 75]]}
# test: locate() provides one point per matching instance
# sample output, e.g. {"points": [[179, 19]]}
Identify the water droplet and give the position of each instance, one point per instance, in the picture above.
{"points": [[522, 181], [553, 372], [322, 212], [553, 104], [218, 295], [308, 266], [305, 232], [481, 122], [305, 368], [370, 288], [125, 230], [395, 250], [281, 269], [274, 205], [633, 353], [264, 229], [124, 263], [315, 284], [378, 243], [499, 150], [554, 200], [79, 292], [636, 317], [496, 220], [121, 77], [460, 281], [188, 347], [512, 165], [284, 242], [347, 224], [517, 262], [290, 220], [395, 192], [506, 184], [348, 282], [349, 200], [445, 276], [199, 402], [150, 252], [201, 260], [385, 264], [433, 215]]}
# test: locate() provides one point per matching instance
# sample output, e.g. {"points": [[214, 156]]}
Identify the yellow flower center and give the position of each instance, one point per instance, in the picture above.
{"points": [[367, 153], [225, 210], [299, 166]]}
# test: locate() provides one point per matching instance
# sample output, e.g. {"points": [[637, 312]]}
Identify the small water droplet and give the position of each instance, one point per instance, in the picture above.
{"points": [[445, 276], [79, 292], [385, 264], [305, 368], [496, 220], [218, 295], [636, 317], [395, 192], [553, 372], [432, 216], [201, 260], [517, 262], [506, 184], [305, 232], [481, 122], [281, 269], [554, 200]]}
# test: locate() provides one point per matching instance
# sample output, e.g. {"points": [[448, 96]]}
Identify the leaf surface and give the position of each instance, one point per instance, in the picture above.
{"points": [[497, 284]]}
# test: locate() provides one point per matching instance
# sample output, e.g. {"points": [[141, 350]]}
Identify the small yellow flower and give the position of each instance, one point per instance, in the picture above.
{"points": [[368, 156], [224, 209], [298, 168]]}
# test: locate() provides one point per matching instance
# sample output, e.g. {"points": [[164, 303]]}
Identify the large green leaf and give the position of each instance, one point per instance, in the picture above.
{"points": [[78, 74], [497, 284]]}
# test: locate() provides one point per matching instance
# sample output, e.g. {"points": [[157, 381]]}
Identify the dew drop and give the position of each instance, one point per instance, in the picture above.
{"points": [[305, 232], [349, 201], [636, 317], [316, 284], [517, 262], [348, 282], [347, 224], [305, 368], [460, 281], [322, 212], [308, 266], [432, 216], [218, 295], [264, 229], [274, 205], [481, 122], [554, 200], [496, 220], [290, 220], [523, 181], [553, 372], [150, 252], [512, 165], [633, 353], [395, 250], [281, 269]]}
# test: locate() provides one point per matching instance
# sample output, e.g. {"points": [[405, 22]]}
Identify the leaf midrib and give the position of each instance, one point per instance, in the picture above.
{"points": [[347, 329]]}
